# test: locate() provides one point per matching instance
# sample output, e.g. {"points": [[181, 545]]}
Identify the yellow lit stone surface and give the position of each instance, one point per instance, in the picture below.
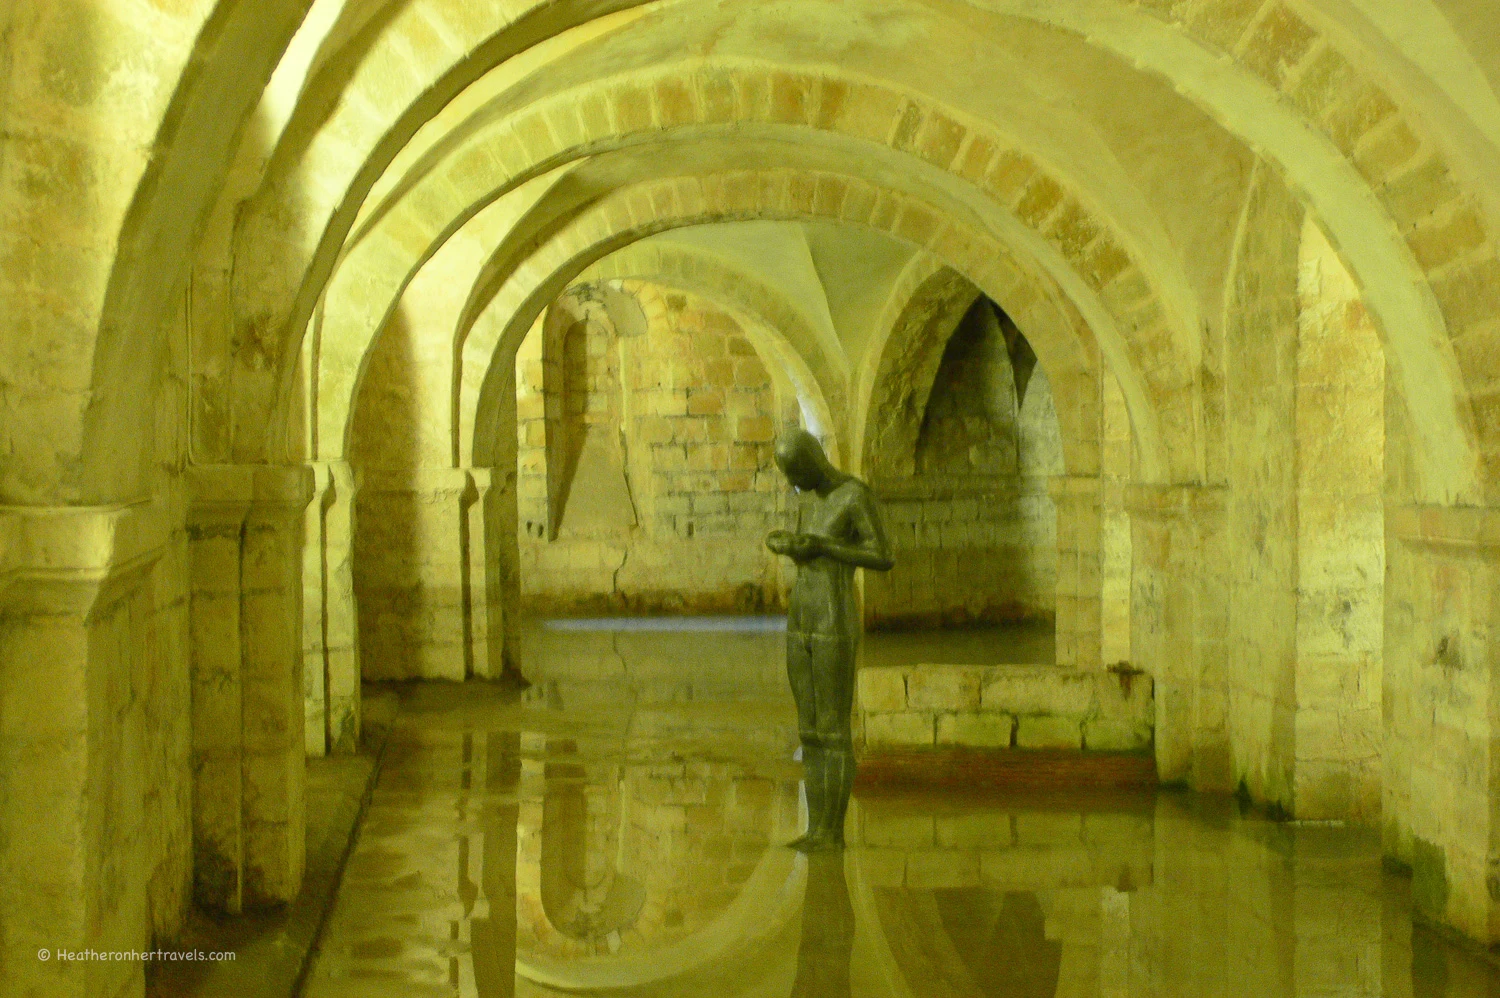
{"points": [[336, 337]]}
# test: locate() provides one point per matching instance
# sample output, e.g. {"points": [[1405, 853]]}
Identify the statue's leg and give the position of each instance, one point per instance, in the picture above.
{"points": [[799, 671], [833, 697]]}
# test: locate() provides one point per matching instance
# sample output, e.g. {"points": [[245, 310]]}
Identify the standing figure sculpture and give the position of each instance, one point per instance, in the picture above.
{"points": [[838, 530]]}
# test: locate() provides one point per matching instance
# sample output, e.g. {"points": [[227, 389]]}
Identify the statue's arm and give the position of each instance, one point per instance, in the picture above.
{"points": [[869, 548]]}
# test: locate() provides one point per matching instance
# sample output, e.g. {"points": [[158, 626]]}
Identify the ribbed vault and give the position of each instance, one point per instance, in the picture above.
{"points": [[1251, 242]]}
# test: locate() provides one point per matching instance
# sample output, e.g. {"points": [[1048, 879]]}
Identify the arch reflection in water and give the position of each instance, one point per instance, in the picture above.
{"points": [[602, 838]]}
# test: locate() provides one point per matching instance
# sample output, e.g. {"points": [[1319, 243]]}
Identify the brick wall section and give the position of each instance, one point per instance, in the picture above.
{"points": [[967, 552], [1439, 695], [974, 530], [1003, 706], [699, 415]]}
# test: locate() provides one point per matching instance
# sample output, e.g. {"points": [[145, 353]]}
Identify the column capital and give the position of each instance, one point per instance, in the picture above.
{"points": [[223, 494], [69, 559]]}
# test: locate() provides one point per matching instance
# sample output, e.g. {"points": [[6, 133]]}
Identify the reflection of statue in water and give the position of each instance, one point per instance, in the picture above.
{"points": [[827, 930], [837, 531]]}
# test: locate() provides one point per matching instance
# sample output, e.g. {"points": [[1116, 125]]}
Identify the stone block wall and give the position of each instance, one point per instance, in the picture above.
{"points": [[966, 552], [1003, 706], [973, 528], [1439, 760], [411, 554], [95, 826], [1304, 520], [665, 506]]}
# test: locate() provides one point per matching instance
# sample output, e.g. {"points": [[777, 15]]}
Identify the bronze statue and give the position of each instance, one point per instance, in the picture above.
{"points": [[838, 530]]}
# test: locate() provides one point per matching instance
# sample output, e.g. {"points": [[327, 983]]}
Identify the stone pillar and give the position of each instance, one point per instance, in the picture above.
{"points": [[245, 529], [341, 615], [314, 667], [329, 614], [1114, 525], [1441, 692], [215, 529], [1179, 604], [77, 645], [480, 603], [1078, 570], [411, 573], [501, 551]]}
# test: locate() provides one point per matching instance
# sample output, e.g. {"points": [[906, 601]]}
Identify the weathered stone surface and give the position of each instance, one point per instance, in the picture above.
{"points": [[1059, 708], [226, 246], [943, 687], [881, 690], [905, 728], [1039, 731], [981, 730]]}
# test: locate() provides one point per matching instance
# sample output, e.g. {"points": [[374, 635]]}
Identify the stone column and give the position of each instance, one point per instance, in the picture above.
{"points": [[77, 645], [216, 523], [245, 534], [412, 576], [1441, 696], [341, 615], [499, 546], [479, 602], [314, 666], [1179, 604], [330, 617], [1078, 570]]}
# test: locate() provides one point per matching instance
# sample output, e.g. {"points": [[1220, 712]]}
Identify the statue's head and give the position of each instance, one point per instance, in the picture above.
{"points": [[802, 460]]}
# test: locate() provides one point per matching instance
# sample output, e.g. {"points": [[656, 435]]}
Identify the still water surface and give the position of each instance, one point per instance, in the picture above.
{"points": [[617, 829]]}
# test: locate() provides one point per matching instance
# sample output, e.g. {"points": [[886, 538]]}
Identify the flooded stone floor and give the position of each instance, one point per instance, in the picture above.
{"points": [[617, 829]]}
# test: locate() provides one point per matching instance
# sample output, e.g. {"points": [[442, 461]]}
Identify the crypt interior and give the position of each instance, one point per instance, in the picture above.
{"points": [[389, 392]]}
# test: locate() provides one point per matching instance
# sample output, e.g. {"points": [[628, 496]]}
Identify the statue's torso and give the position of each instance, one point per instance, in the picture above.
{"points": [[822, 598]]}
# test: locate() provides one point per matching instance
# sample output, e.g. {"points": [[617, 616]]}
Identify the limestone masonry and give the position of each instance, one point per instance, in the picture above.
{"points": [[345, 340]]}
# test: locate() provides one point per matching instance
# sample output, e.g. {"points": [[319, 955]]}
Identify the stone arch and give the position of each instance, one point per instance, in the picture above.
{"points": [[777, 328], [1413, 170], [935, 228], [904, 364], [786, 194], [365, 101], [138, 166], [942, 292], [1016, 182], [1185, 55]]}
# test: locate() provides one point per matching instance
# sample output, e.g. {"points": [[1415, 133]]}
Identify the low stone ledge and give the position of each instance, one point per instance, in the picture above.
{"points": [[913, 707]]}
